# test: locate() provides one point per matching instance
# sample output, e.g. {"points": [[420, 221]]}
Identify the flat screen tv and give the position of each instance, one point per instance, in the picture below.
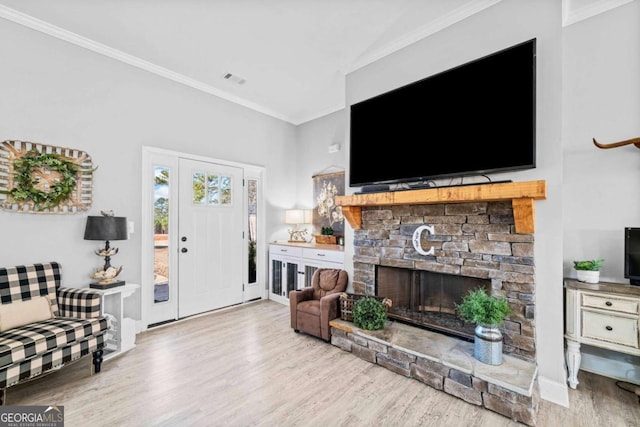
{"points": [[473, 119], [632, 255]]}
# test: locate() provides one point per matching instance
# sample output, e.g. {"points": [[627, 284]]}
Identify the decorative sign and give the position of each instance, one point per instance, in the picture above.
{"points": [[416, 240], [39, 178]]}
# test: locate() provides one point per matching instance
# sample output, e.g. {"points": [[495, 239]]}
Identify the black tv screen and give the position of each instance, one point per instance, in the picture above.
{"points": [[473, 119], [632, 255]]}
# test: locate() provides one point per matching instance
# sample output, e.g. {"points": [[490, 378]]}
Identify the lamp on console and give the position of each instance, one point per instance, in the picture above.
{"points": [[106, 227], [297, 217]]}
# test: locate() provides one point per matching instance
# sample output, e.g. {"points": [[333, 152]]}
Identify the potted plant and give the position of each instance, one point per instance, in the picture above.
{"points": [[369, 314], [589, 270], [326, 236], [487, 312]]}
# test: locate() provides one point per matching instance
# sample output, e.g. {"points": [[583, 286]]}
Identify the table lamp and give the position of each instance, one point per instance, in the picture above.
{"points": [[297, 217], [106, 227]]}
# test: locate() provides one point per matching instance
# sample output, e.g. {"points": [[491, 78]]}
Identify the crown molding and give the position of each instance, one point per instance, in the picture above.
{"points": [[571, 16], [319, 114], [84, 42], [427, 30]]}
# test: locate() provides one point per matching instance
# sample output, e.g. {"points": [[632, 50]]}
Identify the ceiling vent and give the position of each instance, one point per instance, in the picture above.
{"points": [[234, 78]]}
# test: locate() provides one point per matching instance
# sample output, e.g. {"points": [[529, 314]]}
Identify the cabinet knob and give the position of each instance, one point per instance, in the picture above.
{"points": [[183, 250], [183, 238], [608, 328], [608, 303]]}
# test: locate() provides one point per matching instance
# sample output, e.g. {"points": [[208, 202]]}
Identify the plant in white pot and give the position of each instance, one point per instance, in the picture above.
{"points": [[589, 270], [487, 312]]}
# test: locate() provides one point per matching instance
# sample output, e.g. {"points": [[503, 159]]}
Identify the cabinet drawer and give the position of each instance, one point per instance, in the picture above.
{"points": [[611, 303], [325, 255], [283, 250], [609, 328]]}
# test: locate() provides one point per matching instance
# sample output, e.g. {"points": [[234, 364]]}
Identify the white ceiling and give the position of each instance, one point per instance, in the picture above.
{"points": [[294, 54]]}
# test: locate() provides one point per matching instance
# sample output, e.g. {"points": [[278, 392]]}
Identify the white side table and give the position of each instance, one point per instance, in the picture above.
{"points": [[603, 315], [121, 336]]}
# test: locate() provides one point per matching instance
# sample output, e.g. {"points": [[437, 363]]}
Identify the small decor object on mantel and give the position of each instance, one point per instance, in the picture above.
{"points": [[588, 271], [487, 312], [106, 227], [44, 178]]}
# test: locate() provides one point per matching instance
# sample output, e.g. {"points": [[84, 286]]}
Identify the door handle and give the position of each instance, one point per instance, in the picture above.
{"points": [[183, 250]]}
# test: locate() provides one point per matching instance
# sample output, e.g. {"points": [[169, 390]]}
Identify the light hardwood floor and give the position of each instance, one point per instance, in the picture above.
{"points": [[245, 366]]}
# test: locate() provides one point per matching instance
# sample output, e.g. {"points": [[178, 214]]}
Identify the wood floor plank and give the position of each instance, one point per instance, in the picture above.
{"points": [[244, 366]]}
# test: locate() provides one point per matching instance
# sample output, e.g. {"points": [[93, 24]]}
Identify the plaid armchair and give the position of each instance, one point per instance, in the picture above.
{"points": [[34, 341]]}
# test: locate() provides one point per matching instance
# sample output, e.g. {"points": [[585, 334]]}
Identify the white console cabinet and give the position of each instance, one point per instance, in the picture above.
{"points": [[291, 266], [605, 316], [121, 335]]}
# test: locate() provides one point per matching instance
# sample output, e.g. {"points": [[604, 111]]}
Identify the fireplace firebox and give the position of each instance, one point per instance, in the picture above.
{"points": [[428, 299]]}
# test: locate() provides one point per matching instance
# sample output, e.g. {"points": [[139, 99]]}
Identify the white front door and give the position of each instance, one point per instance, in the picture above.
{"points": [[210, 236]]}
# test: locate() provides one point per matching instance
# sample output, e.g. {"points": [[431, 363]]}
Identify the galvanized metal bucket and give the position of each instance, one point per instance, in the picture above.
{"points": [[488, 344]]}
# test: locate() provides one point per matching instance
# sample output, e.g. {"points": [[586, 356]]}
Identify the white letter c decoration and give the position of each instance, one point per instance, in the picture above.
{"points": [[416, 240]]}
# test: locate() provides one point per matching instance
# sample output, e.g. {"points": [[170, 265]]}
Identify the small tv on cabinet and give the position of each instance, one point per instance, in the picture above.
{"points": [[474, 119], [632, 254]]}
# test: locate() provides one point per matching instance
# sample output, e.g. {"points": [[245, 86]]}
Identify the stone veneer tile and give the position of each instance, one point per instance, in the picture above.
{"points": [[432, 379], [397, 366], [465, 393], [514, 374], [363, 353]]}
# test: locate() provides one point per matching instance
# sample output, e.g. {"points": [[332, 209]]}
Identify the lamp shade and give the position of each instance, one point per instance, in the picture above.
{"points": [[308, 216], [106, 228], [294, 216]]}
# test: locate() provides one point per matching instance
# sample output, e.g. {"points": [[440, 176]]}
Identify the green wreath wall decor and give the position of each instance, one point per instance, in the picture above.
{"points": [[25, 179]]}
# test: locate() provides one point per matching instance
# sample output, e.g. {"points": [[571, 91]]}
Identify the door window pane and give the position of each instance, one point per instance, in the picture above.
{"points": [[213, 190], [161, 234], [199, 190], [225, 190], [252, 204]]}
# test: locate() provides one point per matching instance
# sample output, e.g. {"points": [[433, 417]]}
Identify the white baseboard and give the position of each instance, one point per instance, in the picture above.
{"points": [[554, 391]]}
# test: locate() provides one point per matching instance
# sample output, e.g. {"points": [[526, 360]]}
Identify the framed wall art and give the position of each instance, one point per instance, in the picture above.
{"points": [[40, 178], [325, 213]]}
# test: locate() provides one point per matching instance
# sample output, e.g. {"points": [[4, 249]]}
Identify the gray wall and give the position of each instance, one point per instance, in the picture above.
{"points": [[601, 99], [57, 93], [313, 139]]}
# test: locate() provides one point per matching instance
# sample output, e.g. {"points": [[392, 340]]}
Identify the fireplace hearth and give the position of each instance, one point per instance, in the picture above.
{"points": [[428, 299]]}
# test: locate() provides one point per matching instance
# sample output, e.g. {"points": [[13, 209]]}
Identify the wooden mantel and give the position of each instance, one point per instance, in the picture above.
{"points": [[521, 194]]}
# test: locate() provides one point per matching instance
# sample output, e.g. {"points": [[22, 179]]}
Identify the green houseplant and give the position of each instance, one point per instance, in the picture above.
{"points": [[369, 314], [326, 231], [487, 312], [326, 236], [588, 270]]}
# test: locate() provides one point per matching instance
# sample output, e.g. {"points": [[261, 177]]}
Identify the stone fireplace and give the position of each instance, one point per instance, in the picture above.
{"points": [[482, 236], [475, 245]]}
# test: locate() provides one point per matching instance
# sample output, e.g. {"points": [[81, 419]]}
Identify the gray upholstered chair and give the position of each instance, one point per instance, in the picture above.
{"points": [[314, 307]]}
